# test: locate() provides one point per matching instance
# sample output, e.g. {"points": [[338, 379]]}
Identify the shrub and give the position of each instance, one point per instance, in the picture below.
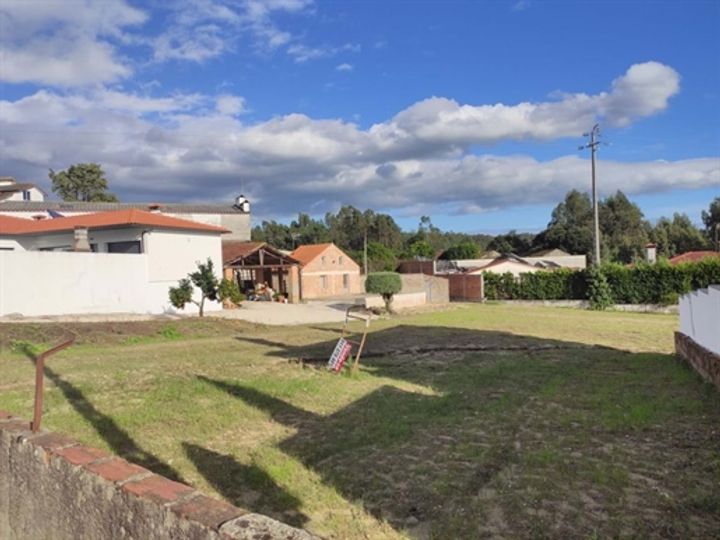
{"points": [[208, 285], [598, 289], [229, 290], [643, 283], [385, 284]]}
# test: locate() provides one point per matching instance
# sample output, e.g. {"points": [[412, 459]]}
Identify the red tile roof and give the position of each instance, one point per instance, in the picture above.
{"points": [[693, 256], [309, 252], [101, 220], [232, 250], [235, 250]]}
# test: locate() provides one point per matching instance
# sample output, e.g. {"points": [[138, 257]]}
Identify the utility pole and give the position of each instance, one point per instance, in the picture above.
{"points": [[365, 250], [592, 145]]}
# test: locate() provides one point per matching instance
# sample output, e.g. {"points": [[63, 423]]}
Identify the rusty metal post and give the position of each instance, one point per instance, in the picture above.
{"points": [[40, 380]]}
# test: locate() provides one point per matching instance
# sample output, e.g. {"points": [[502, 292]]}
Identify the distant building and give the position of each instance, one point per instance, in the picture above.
{"points": [[327, 271], [694, 256], [234, 216], [12, 190], [122, 261]]}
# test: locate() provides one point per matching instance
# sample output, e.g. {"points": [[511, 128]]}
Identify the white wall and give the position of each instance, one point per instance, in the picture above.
{"points": [[700, 317], [35, 283], [174, 254], [35, 195]]}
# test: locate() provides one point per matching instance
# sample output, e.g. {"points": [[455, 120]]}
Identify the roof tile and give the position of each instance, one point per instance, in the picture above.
{"points": [[15, 226]]}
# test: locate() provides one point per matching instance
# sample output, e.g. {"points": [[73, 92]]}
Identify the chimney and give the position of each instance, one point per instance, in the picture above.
{"points": [[80, 242], [651, 253]]}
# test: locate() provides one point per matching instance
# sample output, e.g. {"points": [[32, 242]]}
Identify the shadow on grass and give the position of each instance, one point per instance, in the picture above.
{"points": [[500, 408], [116, 438], [246, 486]]}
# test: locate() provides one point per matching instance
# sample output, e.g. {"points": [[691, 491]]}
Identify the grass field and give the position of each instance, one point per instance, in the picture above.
{"points": [[477, 421]]}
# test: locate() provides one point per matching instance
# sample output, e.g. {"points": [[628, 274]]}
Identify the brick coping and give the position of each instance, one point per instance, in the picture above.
{"points": [[702, 360], [186, 502]]}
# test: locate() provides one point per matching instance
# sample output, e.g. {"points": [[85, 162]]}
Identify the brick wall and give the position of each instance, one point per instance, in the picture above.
{"points": [[333, 264], [466, 287], [702, 360], [52, 487]]}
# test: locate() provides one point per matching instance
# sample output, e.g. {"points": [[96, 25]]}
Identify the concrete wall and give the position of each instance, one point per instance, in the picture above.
{"points": [[435, 288], [401, 300], [37, 283], [700, 317], [333, 264], [53, 488]]}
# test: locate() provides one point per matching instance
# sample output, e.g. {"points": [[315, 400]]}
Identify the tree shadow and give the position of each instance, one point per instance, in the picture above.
{"points": [[246, 486], [485, 405], [116, 437], [410, 339]]}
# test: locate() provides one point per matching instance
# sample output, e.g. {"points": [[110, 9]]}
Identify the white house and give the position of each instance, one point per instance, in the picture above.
{"points": [[122, 261], [11, 190], [25, 200], [505, 264]]}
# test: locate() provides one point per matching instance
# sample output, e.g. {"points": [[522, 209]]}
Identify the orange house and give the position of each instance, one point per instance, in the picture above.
{"points": [[327, 271]]}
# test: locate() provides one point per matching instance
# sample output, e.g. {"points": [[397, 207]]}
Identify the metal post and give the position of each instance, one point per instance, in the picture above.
{"points": [[40, 382]]}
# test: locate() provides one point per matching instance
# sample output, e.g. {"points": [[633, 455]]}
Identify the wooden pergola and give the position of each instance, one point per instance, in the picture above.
{"points": [[250, 263]]}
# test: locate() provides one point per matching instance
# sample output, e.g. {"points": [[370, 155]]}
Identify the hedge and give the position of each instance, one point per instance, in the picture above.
{"points": [[659, 283]]}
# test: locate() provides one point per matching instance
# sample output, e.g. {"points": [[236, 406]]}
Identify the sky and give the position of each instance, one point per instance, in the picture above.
{"points": [[469, 112]]}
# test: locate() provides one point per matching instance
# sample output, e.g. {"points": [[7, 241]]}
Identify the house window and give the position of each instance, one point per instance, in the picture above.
{"points": [[124, 247], [346, 281], [340, 260], [323, 282], [26, 195], [322, 260]]}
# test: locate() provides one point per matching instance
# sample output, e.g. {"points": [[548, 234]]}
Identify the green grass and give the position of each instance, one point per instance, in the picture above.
{"points": [[473, 422]]}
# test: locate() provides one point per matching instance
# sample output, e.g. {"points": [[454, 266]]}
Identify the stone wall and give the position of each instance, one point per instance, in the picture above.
{"points": [[702, 360], [53, 488]]}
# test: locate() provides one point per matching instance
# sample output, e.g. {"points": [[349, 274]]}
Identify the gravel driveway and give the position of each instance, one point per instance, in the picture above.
{"points": [[284, 314]]}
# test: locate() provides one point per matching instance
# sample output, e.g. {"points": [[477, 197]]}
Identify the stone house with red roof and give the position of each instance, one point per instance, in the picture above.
{"points": [[327, 271]]}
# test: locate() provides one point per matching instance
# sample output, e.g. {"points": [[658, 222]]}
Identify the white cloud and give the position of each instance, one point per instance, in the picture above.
{"points": [[302, 53], [65, 43], [344, 67], [189, 146], [230, 105]]}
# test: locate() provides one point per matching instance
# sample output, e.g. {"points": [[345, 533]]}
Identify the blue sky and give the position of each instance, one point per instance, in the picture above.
{"points": [[470, 112]]}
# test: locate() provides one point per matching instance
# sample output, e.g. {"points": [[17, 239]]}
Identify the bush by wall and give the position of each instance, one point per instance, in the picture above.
{"points": [[659, 283]]}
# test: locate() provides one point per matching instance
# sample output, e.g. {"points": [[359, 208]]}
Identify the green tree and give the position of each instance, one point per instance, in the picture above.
{"points": [[380, 258], [386, 284], [419, 249], [209, 286], [598, 289], [570, 227], [511, 242], [464, 250], [677, 236], [711, 219], [82, 182], [623, 230], [306, 230], [274, 233]]}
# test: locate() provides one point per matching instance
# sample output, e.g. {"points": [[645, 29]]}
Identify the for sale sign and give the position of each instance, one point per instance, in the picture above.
{"points": [[339, 355]]}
